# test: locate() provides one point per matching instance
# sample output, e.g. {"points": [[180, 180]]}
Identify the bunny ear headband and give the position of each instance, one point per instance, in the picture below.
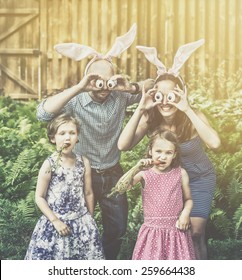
{"points": [[182, 54], [78, 52]]}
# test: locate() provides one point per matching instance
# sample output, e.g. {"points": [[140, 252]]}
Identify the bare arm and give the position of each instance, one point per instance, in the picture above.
{"points": [[184, 218], [40, 198], [88, 193], [203, 128], [134, 131], [205, 131], [137, 127], [137, 178], [55, 103]]}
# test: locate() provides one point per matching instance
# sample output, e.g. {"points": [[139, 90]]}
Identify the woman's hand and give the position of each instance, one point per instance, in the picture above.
{"points": [[148, 101], [182, 104], [61, 227]]}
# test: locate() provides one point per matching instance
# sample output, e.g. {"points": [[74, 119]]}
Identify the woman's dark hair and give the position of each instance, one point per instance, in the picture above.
{"points": [[181, 122], [169, 136], [177, 80]]}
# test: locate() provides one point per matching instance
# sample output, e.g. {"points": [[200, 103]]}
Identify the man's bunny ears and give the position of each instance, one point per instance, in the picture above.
{"points": [[182, 54], [78, 52]]}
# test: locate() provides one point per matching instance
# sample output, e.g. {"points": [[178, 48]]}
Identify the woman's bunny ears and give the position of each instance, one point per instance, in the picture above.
{"points": [[182, 54], [78, 52]]}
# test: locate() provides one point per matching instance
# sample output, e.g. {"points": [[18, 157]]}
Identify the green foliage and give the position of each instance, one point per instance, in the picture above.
{"points": [[16, 225], [23, 149], [228, 249]]}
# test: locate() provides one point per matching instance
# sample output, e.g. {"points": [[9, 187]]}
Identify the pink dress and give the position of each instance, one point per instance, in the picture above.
{"points": [[158, 237]]}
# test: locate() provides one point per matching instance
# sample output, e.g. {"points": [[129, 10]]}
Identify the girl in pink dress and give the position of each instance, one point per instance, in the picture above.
{"points": [[167, 203]]}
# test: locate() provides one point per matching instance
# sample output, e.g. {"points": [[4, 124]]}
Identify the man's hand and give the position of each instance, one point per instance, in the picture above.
{"points": [[90, 82], [121, 83], [148, 84]]}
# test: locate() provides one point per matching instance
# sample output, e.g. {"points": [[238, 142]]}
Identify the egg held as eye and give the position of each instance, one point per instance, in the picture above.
{"points": [[99, 83], [111, 83], [171, 97], [158, 96]]}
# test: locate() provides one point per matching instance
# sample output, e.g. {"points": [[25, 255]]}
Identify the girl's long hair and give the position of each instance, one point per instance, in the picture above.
{"points": [[182, 123]]}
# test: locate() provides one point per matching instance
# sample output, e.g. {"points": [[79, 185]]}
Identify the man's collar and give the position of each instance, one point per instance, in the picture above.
{"points": [[88, 99]]}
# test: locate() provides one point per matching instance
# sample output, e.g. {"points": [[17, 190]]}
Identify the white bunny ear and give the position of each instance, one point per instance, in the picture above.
{"points": [[151, 55], [122, 42], [182, 54], [75, 51]]}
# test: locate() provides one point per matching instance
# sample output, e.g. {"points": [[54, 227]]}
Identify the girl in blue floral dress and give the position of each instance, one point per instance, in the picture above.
{"points": [[66, 230]]}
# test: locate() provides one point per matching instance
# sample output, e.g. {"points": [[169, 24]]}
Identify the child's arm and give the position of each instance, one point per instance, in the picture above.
{"points": [[145, 163], [88, 193], [40, 194], [136, 179], [184, 218]]}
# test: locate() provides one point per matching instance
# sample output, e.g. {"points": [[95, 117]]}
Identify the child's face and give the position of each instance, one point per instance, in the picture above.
{"points": [[164, 152], [66, 136]]}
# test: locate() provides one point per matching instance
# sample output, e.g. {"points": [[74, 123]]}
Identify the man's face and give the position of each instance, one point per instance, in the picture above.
{"points": [[105, 70]]}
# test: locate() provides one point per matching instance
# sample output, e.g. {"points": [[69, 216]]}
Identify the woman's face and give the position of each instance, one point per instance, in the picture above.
{"points": [[165, 87]]}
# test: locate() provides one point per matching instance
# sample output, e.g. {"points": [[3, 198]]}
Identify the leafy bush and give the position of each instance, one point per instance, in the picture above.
{"points": [[229, 249], [23, 149]]}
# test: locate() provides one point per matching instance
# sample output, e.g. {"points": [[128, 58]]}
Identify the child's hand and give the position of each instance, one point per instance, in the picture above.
{"points": [[61, 227], [148, 162], [183, 223]]}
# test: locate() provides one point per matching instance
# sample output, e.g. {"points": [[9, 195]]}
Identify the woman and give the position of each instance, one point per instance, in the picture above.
{"points": [[166, 106]]}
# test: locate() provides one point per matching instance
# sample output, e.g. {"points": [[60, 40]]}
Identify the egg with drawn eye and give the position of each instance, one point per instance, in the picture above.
{"points": [[99, 84], [158, 96], [171, 97], [111, 83]]}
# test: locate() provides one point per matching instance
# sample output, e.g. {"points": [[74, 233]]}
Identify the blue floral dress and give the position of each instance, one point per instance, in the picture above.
{"points": [[65, 196]]}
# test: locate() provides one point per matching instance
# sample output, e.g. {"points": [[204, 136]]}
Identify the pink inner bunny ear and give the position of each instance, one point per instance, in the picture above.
{"points": [[182, 54], [75, 51], [122, 42], [151, 55]]}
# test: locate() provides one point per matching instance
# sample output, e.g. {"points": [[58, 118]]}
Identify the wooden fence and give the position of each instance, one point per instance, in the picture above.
{"points": [[29, 67]]}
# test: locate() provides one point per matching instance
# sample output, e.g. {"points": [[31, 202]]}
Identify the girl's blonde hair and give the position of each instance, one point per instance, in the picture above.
{"points": [[168, 135], [54, 124]]}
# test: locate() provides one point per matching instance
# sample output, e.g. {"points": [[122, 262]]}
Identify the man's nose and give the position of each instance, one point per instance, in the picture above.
{"points": [[105, 86]]}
